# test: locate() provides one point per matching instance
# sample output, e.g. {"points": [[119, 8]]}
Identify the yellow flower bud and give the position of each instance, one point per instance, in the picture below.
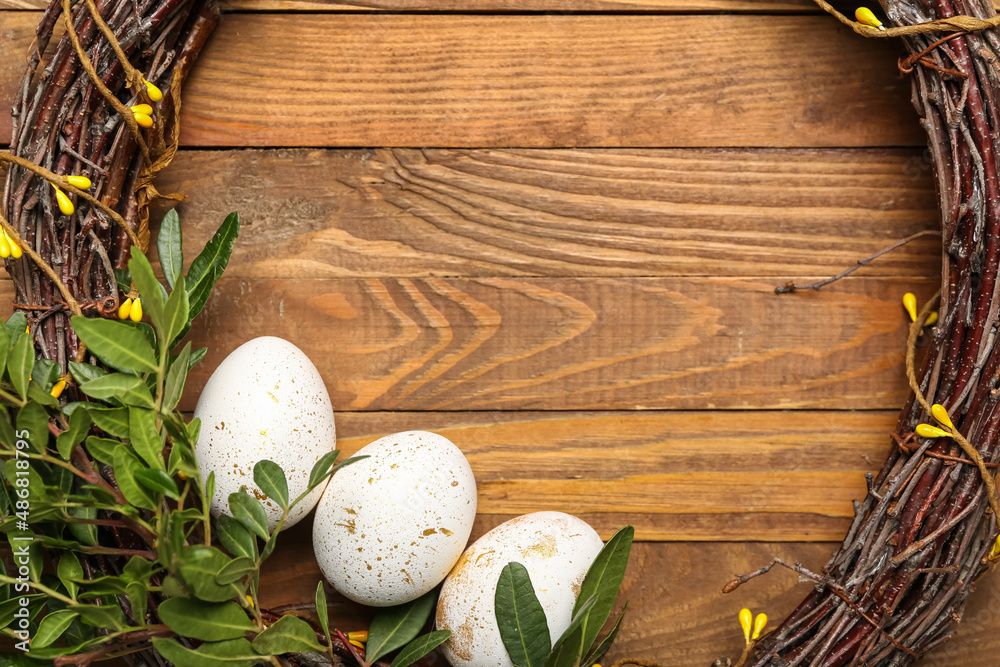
{"points": [[758, 626], [57, 388], [746, 620], [865, 16], [143, 120], [941, 415], [65, 205], [136, 314], [931, 319], [152, 91], [357, 643], [125, 309], [995, 553], [249, 599], [15, 249], [182, 474], [81, 182], [358, 635], [142, 108], [910, 303], [4, 246], [27, 329], [928, 431]]}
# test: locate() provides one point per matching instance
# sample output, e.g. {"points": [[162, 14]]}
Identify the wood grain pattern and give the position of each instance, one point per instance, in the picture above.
{"points": [[677, 614], [756, 6], [604, 212], [534, 81], [576, 343], [674, 476]]}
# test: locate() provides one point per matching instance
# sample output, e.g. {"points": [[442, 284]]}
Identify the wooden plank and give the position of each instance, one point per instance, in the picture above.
{"points": [[678, 616], [706, 476], [571, 344], [755, 6], [535, 81], [604, 212]]}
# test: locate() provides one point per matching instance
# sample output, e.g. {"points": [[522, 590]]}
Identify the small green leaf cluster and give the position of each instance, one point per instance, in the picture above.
{"points": [[102, 500], [524, 628], [399, 627]]}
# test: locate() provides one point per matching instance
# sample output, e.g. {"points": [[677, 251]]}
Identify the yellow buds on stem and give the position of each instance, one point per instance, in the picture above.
{"points": [[57, 388], [759, 624], [131, 309], [144, 120], [931, 319], [910, 303], [868, 18], [358, 635], [81, 182], [152, 91], [941, 415], [928, 431], [8, 246], [65, 205], [746, 622], [995, 552]]}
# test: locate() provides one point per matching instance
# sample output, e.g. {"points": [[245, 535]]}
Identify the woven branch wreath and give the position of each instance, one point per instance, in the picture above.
{"points": [[97, 117]]}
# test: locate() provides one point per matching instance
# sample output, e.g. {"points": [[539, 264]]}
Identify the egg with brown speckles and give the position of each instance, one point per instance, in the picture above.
{"points": [[557, 550], [266, 400], [389, 528]]}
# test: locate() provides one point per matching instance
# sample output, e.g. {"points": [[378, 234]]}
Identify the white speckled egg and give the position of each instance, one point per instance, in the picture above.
{"points": [[557, 550], [389, 528], [266, 400]]}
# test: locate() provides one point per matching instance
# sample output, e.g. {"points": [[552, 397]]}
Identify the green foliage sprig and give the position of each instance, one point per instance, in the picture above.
{"points": [[109, 490], [524, 628]]}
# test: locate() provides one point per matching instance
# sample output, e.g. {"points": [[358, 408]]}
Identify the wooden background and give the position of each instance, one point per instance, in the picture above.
{"points": [[551, 232]]}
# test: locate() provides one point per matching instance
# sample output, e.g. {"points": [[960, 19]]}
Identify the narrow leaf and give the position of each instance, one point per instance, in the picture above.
{"points": [[229, 653], [150, 290], [33, 420], [79, 424], [566, 651], [102, 449], [174, 385], [169, 246], [235, 570], [126, 465], [606, 643], [604, 578], [69, 569], [247, 510], [290, 634], [176, 313], [128, 389], [52, 627], [322, 613], [321, 470], [20, 361], [115, 342], [236, 539], [208, 621], [146, 441], [395, 627], [520, 618], [420, 647], [158, 481], [209, 265], [270, 479], [5, 343]]}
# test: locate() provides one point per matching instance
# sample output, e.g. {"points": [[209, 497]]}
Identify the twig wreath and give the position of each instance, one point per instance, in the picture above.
{"points": [[99, 462]]}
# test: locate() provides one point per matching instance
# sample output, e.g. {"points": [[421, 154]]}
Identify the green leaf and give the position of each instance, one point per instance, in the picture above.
{"points": [[270, 479], [39, 395], [126, 465], [138, 596], [175, 313], [520, 618], [69, 569], [158, 481], [207, 621], [604, 578], [52, 627], [322, 613], [45, 373], [395, 627], [20, 361], [5, 343], [565, 652], [101, 616], [84, 372], [128, 389], [116, 343], [84, 532], [247, 510], [102, 449], [113, 421], [198, 567], [146, 441], [209, 265], [235, 570], [229, 653], [150, 290], [169, 246], [124, 279], [101, 586], [33, 419], [15, 325], [236, 539], [420, 647], [174, 385], [137, 569], [79, 425], [321, 470], [606, 643], [290, 634]]}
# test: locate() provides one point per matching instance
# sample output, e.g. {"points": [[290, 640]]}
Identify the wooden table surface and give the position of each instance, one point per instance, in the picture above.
{"points": [[550, 230]]}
